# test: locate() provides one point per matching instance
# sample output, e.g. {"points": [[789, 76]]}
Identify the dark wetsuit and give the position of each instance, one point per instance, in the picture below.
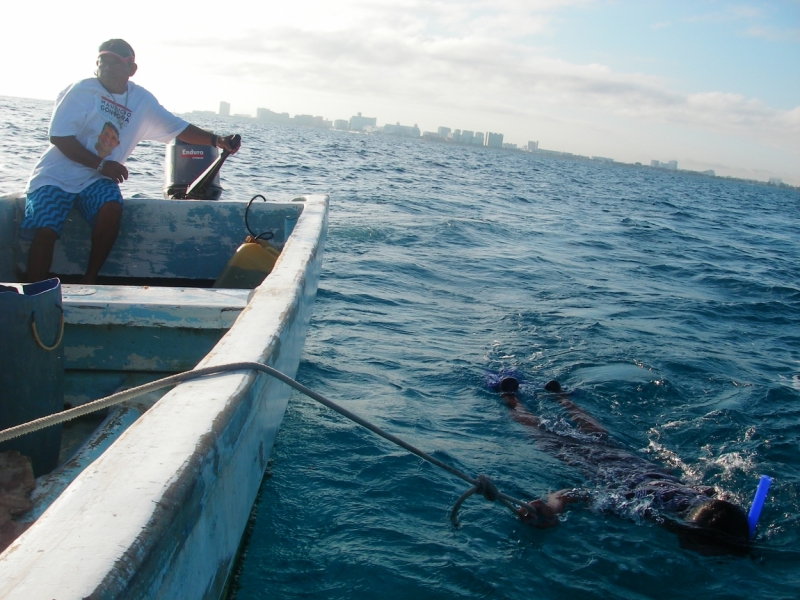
{"points": [[626, 483]]}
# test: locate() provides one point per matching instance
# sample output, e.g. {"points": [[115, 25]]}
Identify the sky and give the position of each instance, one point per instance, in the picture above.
{"points": [[710, 83]]}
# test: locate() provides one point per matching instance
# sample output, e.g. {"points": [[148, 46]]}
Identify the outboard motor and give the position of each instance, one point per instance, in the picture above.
{"points": [[183, 164]]}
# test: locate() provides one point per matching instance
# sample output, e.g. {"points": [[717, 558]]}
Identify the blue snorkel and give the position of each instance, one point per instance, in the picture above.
{"points": [[758, 503]]}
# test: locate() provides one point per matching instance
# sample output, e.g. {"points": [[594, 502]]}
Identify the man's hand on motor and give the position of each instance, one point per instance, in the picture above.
{"points": [[227, 142]]}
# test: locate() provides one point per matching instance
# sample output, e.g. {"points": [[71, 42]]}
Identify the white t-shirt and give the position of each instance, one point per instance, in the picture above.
{"points": [[109, 125]]}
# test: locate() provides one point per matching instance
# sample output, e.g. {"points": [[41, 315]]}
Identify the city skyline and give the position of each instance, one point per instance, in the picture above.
{"points": [[363, 124], [712, 84]]}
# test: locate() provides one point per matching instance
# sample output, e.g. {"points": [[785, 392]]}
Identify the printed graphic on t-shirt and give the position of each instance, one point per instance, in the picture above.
{"points": [[115, 112], [107, 140]]}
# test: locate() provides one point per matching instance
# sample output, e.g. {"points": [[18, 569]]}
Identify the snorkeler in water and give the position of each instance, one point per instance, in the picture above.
{"points": [[704, 523]]}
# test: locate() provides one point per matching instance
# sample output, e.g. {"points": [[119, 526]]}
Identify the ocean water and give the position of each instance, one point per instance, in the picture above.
{"points": [[670, 303]]}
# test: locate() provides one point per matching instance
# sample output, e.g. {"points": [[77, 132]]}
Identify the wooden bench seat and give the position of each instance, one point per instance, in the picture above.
{"points": [[149, 306]]}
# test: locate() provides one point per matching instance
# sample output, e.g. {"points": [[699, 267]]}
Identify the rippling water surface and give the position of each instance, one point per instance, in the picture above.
{"points": [[671, 302]]}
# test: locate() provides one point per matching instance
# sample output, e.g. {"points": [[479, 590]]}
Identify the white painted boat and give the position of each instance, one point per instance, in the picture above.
{"points": [[161, 511]]}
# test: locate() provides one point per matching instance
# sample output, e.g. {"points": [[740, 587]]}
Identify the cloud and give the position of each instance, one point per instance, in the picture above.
{"points": [[475, 71], [729, 13], [774, 34], [756, 17]]}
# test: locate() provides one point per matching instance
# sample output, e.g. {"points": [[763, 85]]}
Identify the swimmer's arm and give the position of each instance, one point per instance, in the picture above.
{"points": [[543, 516], [518, 412], [585, 422], [559, 500], [547, 510]]}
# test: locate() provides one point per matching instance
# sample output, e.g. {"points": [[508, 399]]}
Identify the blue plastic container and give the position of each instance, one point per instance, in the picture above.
{"points": [[32, 368]]}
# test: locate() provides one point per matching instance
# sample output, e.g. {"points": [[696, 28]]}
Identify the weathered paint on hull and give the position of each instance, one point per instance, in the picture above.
{"points": [[184, 239], [161, 513], [124, 330]]}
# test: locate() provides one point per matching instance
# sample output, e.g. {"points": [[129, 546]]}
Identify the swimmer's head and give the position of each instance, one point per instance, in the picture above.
{"points": [[553, 386], [716, 527], [509, 385]]}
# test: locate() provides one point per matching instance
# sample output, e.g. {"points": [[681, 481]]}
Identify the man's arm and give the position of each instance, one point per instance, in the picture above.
{"points": [[558, 501], [547, 511], [518, 412], [75, 151], [195, 135], [585, 422]]}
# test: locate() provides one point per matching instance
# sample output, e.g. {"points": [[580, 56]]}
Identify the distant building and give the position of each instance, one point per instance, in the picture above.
{"points": [[669, 166], [341, 124], [444, 131], [477, 140], [359, 123], [401, 130], [710, 173], [775, 181], [533, 146], [466, 137], [433, 136], [266, 115], [455, 136], [224, 109], [311, 121], [510, 146], [322, 123], [494, 140], [307, 120]]}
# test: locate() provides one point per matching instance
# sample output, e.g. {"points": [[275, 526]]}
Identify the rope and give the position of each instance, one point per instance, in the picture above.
{"points": [[482, 484], [36, 333]]}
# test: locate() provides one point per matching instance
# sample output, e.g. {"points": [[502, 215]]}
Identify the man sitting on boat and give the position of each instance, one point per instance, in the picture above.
{"points": [[627, 484], [95, 126]]}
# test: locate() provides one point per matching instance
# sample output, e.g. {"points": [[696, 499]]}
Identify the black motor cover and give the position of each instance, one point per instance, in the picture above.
{"points": [[183, 164]]}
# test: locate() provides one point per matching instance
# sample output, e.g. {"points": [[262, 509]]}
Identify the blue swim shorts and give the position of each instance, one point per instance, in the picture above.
{"points": [[49, 205]]}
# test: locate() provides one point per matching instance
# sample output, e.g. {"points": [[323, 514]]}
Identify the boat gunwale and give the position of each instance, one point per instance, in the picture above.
{"points": [[142, 549]]}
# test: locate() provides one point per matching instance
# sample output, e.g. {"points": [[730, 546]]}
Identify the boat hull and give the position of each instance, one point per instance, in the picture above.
{"points": [[161, 513]]}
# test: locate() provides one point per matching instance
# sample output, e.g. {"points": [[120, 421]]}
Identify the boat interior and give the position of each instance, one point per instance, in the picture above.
{"points": [[158, 307]]}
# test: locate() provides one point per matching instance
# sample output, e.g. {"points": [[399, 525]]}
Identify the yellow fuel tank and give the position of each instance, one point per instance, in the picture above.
{"points": [[249, 265]]}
